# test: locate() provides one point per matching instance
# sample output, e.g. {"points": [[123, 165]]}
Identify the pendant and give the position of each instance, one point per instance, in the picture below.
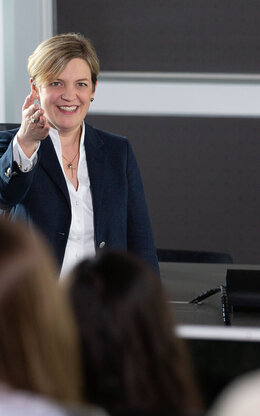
{"points": [[69, 165]]}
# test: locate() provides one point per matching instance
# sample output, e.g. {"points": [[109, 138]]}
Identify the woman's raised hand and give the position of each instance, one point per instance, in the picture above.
{"points": [[34, 126]]}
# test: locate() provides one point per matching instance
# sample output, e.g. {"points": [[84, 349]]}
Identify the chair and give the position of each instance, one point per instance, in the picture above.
{"points": [[191, 256], [8, 126]]}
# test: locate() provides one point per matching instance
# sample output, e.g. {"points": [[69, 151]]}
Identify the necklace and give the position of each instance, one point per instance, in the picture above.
{"points": [[70, 164]]}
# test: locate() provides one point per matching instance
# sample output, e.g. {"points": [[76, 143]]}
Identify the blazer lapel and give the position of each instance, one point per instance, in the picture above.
{"points": [[50, 163], [95, 154]]}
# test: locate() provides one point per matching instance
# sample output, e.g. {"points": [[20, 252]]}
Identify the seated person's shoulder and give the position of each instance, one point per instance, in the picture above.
{"points": [[80, 410]]}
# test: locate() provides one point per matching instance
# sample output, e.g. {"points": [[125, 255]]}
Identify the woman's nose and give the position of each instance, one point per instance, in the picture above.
{"points": [[68, 93]]}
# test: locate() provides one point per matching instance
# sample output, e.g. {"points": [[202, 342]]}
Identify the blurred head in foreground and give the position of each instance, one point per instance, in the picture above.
{"points": [[38, 341], [132, 359]]}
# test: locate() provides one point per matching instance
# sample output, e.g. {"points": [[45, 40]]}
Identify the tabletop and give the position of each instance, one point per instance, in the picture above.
{"points": [[184, 281]]}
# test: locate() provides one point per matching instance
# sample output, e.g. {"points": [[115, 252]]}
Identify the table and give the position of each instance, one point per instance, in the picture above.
{"points": [[184, 281], [219, 353]]}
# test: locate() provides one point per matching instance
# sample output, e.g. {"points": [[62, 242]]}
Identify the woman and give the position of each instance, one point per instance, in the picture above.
{"points": [[79, 185], [39, 351], [132, 361]]}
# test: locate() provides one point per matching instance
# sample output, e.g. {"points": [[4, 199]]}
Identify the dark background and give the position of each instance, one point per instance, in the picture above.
{"points": [[168, 35], [201, 178], [218, 362]]}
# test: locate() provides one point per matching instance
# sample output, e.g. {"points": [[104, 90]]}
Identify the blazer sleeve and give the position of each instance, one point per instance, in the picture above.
{"points": [[14, 184], [139, 231]]}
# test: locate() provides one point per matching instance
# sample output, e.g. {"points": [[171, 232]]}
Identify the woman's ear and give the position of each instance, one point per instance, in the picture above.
{"points": [[93, 92]]}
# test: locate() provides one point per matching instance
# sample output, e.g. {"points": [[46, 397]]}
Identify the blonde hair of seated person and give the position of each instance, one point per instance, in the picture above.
{"points": [[38, 338]]}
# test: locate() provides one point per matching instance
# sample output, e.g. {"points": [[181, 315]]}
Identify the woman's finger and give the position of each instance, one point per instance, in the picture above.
{"points": [[42, 121], [33, 109], [34, 114], [43, 130], [29, 100]]}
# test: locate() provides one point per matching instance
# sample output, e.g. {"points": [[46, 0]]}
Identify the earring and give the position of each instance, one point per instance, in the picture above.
{"points": [[92, 99]]}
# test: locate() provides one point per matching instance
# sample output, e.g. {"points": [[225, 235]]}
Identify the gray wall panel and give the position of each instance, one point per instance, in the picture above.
{"points": [[201, 178], [168, 35]]}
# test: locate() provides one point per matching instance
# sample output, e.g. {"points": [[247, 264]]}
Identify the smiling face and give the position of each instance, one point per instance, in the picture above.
{"points": [[66, 99]]}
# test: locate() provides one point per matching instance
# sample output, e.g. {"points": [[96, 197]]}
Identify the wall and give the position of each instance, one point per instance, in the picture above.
{"points": [[178, 95], [25, 24]]}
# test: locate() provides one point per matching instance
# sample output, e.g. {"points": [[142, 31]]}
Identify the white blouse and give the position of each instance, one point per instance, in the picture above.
{"points": [[81, 243]]}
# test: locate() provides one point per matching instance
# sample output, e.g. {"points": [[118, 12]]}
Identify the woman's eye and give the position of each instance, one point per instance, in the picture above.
{"points": [[82, 84], [55, 84]]}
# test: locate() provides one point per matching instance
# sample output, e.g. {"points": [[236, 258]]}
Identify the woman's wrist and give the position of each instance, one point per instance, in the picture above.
{"points": [[28, 147]]}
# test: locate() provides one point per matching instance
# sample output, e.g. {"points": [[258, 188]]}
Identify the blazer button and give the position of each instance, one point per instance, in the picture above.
{"points": [[8, 172], [102, 244]]}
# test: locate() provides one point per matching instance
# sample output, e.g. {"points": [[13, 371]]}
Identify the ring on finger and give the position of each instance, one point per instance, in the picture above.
{"points": [[32, 119]]}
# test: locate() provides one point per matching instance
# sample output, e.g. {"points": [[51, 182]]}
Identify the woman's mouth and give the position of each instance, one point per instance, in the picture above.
{"points": [[68, 108]]}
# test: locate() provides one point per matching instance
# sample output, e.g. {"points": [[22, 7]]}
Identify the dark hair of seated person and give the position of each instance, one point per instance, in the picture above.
{"points": [[133, 362]]}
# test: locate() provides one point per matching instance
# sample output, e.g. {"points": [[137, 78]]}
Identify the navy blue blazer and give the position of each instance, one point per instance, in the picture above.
{"points": [[41, 197]]}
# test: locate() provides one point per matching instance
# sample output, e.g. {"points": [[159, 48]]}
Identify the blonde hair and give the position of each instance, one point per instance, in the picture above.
{"points": [[51, 56], [38, 337]]}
